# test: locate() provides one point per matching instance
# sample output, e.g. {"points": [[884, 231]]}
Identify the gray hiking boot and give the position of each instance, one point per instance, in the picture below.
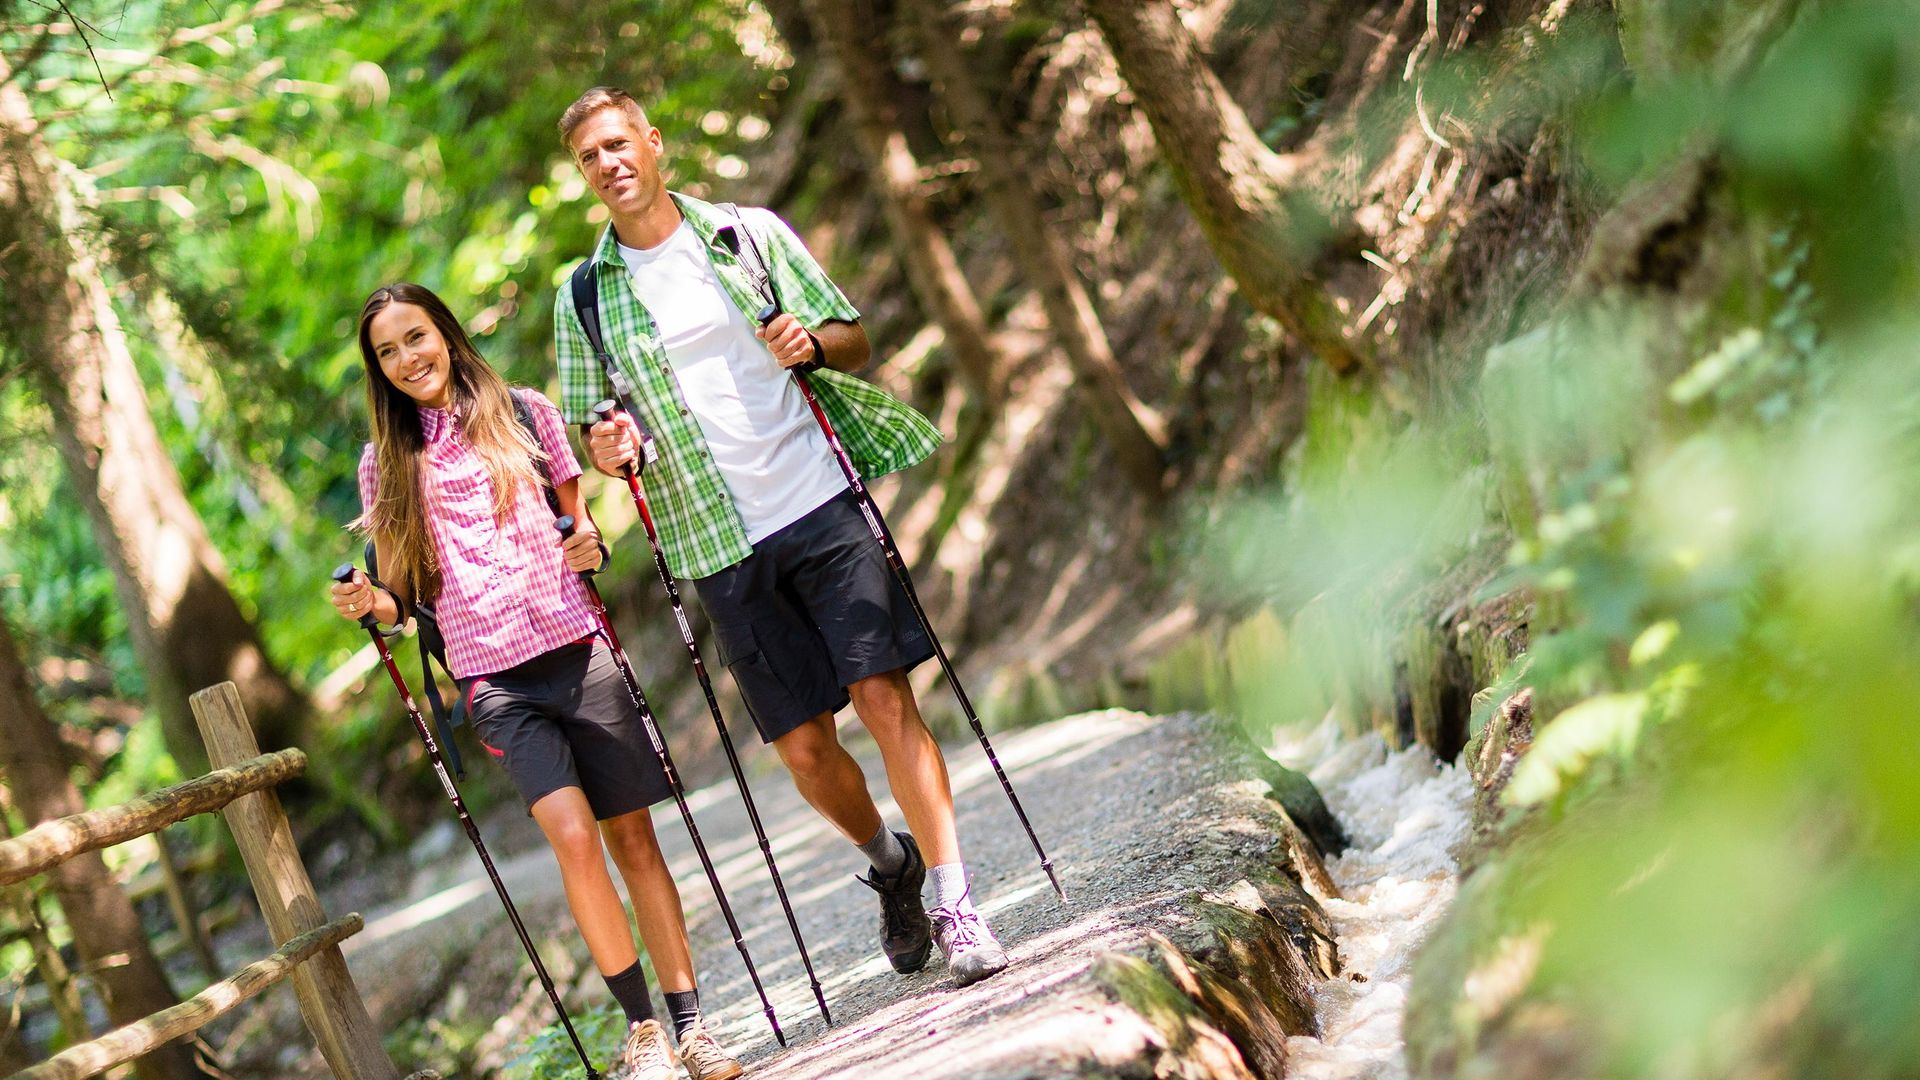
{"points": [[905, 935], [971, 951], [648, 1055], [704, 1059]]}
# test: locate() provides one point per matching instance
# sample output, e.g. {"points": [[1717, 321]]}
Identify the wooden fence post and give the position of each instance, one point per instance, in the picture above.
{"points": [[328, 998]]}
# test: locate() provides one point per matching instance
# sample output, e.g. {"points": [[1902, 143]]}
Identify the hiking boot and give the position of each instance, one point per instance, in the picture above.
{"points": [[971, 951], [648, 1054], [905, 935], [703, 1057]]}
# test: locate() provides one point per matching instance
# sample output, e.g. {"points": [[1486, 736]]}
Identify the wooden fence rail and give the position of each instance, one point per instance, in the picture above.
{"points": [[241, 788], [127, 1043], [51, 843]]}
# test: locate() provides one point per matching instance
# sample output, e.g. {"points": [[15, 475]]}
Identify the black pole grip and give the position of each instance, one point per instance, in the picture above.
{"points": [[564, 523], [344, 575], [606, 409], [767, 314]]}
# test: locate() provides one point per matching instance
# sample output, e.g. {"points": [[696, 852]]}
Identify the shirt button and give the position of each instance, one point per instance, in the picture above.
{"points": [[703, 453], [683, 412]]}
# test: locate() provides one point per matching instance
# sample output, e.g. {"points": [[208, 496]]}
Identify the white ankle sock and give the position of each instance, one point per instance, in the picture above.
{"points": [[949, 884]]}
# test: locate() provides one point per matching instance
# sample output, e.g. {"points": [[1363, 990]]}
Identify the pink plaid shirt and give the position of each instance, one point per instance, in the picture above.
{"points": [[506, 595]]}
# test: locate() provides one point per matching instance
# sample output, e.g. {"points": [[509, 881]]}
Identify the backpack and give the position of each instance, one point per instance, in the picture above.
{"points": [[427, 625]]}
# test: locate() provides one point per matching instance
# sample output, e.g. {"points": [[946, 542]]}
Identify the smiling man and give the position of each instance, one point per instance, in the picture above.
{"points": [[752, 508]]}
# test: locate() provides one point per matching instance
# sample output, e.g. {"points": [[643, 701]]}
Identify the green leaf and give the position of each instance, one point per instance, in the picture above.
{"points": [[1608, 724]]}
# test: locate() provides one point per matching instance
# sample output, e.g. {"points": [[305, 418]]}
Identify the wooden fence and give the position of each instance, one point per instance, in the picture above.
{"points": [[241, 788]]}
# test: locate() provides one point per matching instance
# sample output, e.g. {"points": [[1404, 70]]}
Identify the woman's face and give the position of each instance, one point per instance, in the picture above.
{"points": [[412, 354]]}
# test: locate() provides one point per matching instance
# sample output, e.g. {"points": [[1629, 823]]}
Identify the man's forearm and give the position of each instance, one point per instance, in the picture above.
{"points": [[843, 345]]}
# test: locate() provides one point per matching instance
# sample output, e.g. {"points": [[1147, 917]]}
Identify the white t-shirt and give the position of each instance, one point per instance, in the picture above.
{"points": [[764, 439]]}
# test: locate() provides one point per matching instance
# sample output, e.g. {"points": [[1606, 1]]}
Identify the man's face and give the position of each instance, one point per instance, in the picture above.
{"points": [[620, 162]]}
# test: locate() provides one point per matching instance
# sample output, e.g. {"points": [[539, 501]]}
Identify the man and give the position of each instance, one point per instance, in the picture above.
{"points": [[751, 505]]}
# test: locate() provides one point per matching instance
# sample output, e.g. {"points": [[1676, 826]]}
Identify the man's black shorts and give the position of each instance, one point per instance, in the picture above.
{"points": [[812, 611], [564, 719]]}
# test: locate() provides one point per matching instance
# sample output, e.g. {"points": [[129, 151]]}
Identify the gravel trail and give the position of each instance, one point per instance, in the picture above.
{"points": [[1140, 814]]}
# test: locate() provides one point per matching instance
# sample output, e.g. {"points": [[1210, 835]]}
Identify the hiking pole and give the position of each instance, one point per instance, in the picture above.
{"points": [[605, 411], [344, 575], [880, 535], [564, 523]]}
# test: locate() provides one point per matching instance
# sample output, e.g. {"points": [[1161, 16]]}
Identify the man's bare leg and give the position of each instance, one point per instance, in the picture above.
{"points": [[917, 773], [828, 778], [916, 770]]}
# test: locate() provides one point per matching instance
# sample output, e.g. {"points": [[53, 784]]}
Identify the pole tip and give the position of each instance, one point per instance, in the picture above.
{"points": [[1055, 880]]}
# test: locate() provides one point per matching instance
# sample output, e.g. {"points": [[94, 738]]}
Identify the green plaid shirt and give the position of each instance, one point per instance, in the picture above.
{"points": [[699, 527]]}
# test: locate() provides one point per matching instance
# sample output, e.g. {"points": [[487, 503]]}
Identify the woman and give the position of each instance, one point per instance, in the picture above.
{"points": [[452, 487]]}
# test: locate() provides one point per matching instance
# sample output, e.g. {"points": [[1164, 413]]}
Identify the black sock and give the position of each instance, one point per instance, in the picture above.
{"points": [[684, 1007], [630, 990]]}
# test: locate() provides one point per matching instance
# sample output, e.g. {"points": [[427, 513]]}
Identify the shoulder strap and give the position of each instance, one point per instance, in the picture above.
{"points": [[752, 259], [586, 305], [523, 412]]}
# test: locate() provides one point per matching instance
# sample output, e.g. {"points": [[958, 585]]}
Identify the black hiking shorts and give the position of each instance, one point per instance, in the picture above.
{"points": [[812, 611], [564, 719]]}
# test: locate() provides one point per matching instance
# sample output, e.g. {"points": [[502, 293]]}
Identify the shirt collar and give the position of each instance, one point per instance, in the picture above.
{"points": [[436, 424], [707, 221]]}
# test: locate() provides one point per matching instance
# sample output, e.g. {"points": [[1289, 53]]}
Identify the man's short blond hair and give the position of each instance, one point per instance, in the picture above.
{"points": [[593, 101]]}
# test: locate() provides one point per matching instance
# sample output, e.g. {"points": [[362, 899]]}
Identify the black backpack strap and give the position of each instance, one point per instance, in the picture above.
{"points": [[427, 633], [586, 306], [523, 412], [752, 259]]}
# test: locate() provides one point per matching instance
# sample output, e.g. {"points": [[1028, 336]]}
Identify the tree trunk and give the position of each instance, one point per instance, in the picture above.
{"points": [[106, 930], [1236, 187], [188, 630], [13, 1056], [1136, 432], [869, 92]]}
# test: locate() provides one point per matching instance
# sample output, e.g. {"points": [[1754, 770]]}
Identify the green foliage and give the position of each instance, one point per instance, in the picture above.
{"points": [[1708, 486], [266, 174], [549, 1055]]}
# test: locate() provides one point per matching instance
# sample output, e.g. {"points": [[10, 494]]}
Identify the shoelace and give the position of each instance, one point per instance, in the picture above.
{"points": [[893, 909], [962, 928], [699, 1048], [642, 1052]]}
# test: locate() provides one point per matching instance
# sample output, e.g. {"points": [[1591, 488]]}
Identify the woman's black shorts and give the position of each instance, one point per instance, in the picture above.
{"points": [[812, 611], [564, 719]]}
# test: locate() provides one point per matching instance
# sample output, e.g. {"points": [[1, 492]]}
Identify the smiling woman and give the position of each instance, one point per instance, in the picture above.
{"points": [[418, 357], [462, 499]]}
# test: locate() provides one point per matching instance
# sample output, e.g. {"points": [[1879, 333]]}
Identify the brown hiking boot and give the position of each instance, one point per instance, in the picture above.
{"points": [[703, 1057], [648, 1055]]}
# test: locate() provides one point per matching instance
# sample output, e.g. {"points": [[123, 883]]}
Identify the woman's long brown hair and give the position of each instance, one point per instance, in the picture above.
{"points": [[398, 520]]}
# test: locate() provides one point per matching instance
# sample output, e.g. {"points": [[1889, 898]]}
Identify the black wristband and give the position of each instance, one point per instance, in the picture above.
{"points": [[819, 356]]}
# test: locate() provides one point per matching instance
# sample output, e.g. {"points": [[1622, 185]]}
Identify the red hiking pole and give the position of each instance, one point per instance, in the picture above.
{"points": [[564, 524], [605, 411], [344, 575], [880, 536]]}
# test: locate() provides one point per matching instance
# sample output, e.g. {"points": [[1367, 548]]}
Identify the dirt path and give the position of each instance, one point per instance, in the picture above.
{"points": [[1141, 815]]}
